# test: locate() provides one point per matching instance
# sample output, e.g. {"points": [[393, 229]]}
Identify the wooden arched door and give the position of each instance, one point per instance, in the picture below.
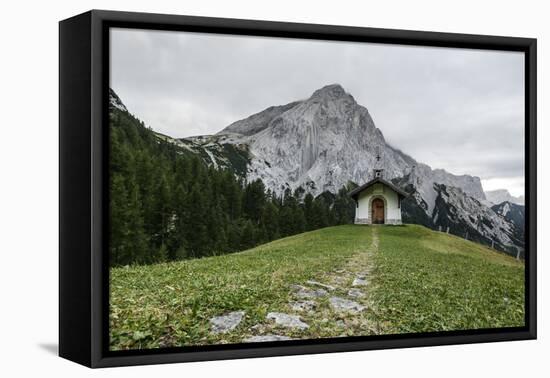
{"points": [[378, 211]]}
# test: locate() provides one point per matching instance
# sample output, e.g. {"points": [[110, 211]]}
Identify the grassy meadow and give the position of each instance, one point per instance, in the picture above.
{"points": [[418, 280]]}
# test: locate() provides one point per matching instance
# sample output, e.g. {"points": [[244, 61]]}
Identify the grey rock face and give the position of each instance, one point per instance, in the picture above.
{"points": [[345, 305], [226, 323], [459, 212], [513, 213], [266, 338], [286, 320], [257, 122]]}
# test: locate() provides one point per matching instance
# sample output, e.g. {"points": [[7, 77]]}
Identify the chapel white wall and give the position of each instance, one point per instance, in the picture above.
{"points": [[391, 204]]}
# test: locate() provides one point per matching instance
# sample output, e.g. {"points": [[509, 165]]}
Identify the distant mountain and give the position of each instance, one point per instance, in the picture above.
{"points": [[513, 213], [328, 140], [457, 213], [503, 195]]}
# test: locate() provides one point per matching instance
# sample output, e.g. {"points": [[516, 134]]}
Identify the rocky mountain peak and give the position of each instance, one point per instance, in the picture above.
{"points": [[331, 92]]}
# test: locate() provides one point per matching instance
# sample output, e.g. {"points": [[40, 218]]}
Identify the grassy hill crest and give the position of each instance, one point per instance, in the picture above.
{"points": [[402, 278]]}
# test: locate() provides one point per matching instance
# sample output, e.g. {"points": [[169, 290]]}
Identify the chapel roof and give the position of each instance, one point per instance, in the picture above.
{"points": [[355, 192]]}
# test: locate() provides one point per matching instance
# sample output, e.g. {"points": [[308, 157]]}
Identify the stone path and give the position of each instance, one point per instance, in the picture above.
{"points": [[286, 320], [343, 304], [266, 338], [227, 322], [344, 308], [305, 292]]}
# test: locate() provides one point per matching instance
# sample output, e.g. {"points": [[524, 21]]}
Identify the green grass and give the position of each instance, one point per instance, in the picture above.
{"points": [[420, 281], [431, 281], [170, 304]]}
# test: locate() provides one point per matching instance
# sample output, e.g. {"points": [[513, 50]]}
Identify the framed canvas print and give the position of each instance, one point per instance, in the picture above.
{"points": [[234, 188]]}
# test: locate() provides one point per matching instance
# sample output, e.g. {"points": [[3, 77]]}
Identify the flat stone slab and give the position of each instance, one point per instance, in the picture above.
{"points": [[359, 281], [342, 304], [324, 286], [266, 338], [227, 322], [303, 305], [304, 292], [356, 293], [286, 320]]}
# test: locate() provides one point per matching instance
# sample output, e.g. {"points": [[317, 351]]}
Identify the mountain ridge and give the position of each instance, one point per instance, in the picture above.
{"points": [[503, 195]]}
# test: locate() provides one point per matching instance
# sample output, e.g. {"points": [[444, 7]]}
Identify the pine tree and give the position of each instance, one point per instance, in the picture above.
{"points": [[248, 235], [118, 205], [270, 221], [308, 212], [298, 220], [254, 200], [196, 232], [135, 247]]}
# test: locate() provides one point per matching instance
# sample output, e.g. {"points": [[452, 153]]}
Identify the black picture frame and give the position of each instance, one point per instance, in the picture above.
{"points": [[83, 137]]}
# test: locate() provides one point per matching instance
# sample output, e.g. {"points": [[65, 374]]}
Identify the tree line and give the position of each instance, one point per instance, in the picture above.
{"points": [[167, 204]]}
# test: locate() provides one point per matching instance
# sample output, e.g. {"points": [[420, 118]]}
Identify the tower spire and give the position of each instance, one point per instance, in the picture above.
{"points": [[378, 165]]}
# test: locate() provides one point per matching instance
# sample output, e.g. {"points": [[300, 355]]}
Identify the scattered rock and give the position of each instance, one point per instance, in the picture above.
{"points": [[304, 292], [303, 305], [342, 304], [266, 338], [340, 324], [324, 286], [226, 323], [359, 281], [286, 320], [356, 293]]}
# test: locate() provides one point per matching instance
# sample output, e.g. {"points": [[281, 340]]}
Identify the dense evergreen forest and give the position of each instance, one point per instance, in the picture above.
{"points": [[167, 204]]}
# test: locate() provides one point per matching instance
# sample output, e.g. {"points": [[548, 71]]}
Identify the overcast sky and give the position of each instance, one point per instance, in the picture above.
{"points": [[461, 110]]}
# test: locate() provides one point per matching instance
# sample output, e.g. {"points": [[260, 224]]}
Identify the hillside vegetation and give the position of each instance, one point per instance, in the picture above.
{"points": [[418, 280], [167, 204]]}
